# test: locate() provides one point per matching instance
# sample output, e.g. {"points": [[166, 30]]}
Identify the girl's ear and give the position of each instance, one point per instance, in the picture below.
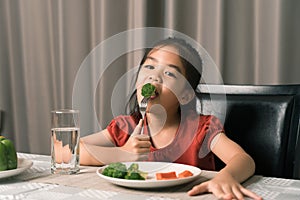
{"points": [[186, 96]]}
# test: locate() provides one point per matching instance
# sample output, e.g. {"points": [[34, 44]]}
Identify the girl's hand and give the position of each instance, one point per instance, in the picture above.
{"points": [[224, 186], [137, 145]]}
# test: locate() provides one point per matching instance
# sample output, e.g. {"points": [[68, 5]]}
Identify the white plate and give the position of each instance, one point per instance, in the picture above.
{"points": [[152, 168], [23, 164]]}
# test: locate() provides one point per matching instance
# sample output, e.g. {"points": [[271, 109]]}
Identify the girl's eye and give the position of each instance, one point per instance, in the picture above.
{"points": [[148, 66], [170, 74]]}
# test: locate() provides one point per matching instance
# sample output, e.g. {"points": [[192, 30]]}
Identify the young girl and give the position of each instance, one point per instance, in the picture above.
{"points": [[173, 131]]}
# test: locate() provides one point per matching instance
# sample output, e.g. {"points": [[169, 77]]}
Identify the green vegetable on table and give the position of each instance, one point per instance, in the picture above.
{"points": [[119, 170], [8, 155], [148, 90]]}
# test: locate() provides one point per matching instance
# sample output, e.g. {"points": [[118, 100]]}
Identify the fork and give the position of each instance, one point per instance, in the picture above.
{"points": [[143, 107]]}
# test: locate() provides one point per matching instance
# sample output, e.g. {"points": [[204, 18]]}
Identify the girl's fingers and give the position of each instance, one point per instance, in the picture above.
{"points": [[144, 144], [221, 194], [198, 189], [225, 192], [204, 187], [250, 194], [143, 151], [237, 192], [138, 128], [143, 137]]}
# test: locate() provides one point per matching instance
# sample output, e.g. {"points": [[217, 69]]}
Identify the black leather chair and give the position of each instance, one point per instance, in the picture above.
{"points": [[264, 120]]}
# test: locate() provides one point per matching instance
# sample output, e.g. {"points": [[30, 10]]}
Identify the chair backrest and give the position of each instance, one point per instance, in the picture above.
{"points": [[264, 120]]}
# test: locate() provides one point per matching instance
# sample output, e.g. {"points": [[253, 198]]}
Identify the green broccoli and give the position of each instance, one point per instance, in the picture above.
{"points": [[119, 170], [134, 176], [134, 173], [133, 167], [115, 170], [148, 90]]}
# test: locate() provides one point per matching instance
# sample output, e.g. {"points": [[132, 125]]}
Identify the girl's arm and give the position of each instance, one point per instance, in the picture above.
{"points": [[239, 167], [238, 163], [91, 144], [98, 149]]}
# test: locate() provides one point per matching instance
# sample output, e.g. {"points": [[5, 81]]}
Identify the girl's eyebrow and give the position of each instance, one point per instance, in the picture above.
{"points": [[169, 65]]}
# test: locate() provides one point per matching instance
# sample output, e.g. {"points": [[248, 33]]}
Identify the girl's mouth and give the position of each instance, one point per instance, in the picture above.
{"points": [[155, 95]]}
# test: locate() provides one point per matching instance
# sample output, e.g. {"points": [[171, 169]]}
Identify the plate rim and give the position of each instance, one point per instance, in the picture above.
{"points": [[23, 164], [153, 182]]}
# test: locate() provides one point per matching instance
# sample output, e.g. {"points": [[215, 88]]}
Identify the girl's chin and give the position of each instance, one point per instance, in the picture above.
{"points": [[156, 109]]}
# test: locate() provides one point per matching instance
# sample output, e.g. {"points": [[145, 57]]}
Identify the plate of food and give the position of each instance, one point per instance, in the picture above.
{"points": [[148, 174], [23, 164]]}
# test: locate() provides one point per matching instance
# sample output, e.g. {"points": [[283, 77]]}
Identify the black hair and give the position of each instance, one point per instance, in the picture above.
{"points": [[191, 61]]}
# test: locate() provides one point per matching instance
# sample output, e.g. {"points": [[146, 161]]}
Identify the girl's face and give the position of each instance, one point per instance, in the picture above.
{"points": [[163, 68]]}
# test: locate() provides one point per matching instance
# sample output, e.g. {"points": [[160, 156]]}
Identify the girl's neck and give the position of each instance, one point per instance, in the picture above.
{"points": [[163, 128], [158, 121]]}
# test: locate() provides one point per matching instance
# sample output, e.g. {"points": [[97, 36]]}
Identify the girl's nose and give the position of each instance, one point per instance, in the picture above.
{"points": [[154, 78]]}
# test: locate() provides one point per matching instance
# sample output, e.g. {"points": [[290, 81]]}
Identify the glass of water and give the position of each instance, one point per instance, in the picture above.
{"points": [[65, 134]]}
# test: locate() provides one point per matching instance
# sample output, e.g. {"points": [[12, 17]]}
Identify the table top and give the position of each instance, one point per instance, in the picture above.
{"points": [[37, 182]]}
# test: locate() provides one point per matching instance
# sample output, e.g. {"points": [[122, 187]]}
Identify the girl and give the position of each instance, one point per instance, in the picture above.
{"points": [[173, 131]]}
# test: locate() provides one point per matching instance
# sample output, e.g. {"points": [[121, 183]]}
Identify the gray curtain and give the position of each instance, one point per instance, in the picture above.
{"points": [[43, 43]]}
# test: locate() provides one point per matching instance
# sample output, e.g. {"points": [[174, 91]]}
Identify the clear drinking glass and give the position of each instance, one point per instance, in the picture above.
{"points": [[65, 134]]}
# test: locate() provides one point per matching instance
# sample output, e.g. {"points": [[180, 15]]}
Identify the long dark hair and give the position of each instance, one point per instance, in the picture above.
{"points": [[190, 59]]}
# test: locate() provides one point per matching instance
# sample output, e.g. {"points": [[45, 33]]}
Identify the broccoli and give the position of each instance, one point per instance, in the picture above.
{"points": [[134, 176], [148, 90], [119, 170], [134, 173], [133, 167], [115, 170]]}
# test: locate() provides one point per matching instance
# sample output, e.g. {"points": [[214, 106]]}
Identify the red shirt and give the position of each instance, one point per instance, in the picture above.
{"points": [[190, 146]]}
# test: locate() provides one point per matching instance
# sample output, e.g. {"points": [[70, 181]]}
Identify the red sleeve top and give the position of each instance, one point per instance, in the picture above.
{"points": [[190, 146]]}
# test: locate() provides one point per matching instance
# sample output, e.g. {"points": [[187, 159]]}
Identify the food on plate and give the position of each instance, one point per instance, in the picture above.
{"points": [[133, 173], [166, 175], [115, 170], [8, 155], [185, 173], [172, 175], [148, 90], [119, 170]]}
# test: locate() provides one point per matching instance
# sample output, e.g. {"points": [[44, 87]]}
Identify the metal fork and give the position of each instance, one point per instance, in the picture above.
{"points": [[143, 107]]}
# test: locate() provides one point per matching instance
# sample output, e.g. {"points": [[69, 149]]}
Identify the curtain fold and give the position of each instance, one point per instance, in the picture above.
{"points": [[44, 43]]}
